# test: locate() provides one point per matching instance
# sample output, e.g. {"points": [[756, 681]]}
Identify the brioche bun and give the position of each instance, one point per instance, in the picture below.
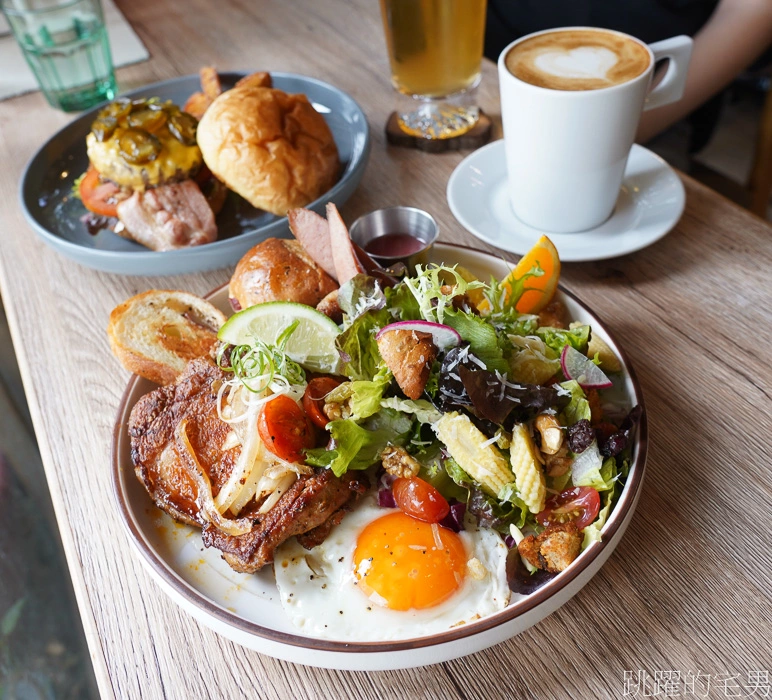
{"points": [[273, 149], [278, 270]]}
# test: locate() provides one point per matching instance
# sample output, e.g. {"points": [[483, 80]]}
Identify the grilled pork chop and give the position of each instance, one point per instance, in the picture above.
{"points": [[309, 508], [168, 217]]}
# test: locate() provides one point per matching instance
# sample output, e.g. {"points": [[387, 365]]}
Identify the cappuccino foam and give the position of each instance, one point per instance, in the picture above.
{"points": [[577, 59]]}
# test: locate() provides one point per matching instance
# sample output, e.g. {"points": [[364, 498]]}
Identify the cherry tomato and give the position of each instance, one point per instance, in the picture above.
{"points": [[579, 504], [284, 429], [96, 195], [313, 399], [420, 499]]}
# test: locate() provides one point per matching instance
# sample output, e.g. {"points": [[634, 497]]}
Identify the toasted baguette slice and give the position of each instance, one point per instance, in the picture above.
{"points": [[156, 333]]}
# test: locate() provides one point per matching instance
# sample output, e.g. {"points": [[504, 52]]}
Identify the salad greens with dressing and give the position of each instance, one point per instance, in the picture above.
{"points": [[500, 426]]}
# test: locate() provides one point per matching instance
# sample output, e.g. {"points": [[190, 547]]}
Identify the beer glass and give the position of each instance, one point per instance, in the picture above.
{"points": [[435, 51]]}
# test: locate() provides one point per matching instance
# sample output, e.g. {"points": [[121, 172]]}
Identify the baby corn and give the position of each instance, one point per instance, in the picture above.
{"points": [[529, 476], [474, 452]]}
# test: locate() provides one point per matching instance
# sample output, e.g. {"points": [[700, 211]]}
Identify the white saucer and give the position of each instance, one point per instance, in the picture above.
{"points": [[650, 204]]}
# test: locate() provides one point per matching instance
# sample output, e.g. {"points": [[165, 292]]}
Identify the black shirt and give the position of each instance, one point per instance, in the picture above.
{"points": [[648, 20]]}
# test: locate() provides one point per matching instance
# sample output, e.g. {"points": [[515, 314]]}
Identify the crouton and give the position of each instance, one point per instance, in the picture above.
{"points": [[409, 355], [554, 549], [330, 307]]}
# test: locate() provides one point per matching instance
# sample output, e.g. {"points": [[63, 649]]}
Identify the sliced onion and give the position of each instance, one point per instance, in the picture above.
{"points": [[277, 486], [204, 498], [244, 464], [247, 493]]}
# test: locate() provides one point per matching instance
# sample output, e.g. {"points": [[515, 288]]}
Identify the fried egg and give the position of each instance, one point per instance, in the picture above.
{"points": [[382, 575]]}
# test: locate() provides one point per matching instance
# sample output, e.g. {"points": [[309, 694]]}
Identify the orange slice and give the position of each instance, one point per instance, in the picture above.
{"points": [[538, 290]]}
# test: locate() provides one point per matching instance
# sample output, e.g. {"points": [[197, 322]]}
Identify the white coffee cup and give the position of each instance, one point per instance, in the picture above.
{"points": [[567, 149]]}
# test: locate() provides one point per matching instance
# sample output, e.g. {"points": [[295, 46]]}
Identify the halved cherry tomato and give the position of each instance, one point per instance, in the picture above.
{"points": [[97, 196], [313, 399], [579, 504], [420, 499], [284, 429]]}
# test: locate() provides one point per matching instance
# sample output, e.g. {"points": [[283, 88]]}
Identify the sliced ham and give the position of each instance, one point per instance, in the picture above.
{"points": [[169, 217], [313, 233], [347, 264]]}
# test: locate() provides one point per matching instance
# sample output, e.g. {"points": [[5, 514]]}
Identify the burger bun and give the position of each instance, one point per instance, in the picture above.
{"points": [[272, 148]]}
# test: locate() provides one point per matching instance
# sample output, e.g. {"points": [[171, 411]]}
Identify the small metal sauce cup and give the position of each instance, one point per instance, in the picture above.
{"points": [[415, 222]]}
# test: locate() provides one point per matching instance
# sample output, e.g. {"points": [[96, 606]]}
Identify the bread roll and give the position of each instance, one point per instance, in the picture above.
{"points": [[278, 270], [273, 149]]}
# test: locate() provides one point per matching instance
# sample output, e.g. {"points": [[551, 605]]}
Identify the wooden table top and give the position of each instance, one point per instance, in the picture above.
{"points": [[688, 588]]}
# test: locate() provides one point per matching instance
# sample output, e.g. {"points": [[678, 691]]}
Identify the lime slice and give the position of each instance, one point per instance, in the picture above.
{"points": [[311, 344]]}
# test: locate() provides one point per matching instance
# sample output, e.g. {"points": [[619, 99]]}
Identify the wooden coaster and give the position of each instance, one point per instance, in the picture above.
{"points": [[477, 136]]}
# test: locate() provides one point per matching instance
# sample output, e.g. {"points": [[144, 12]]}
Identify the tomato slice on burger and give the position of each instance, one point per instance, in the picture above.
{"points": [[579, 504], [313, 399], [98, 196], [419, 499], [284, 429]]}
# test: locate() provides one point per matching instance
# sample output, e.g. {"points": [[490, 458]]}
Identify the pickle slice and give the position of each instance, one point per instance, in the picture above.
{"points": [[138, 146], [148, 119], [103, 127], [183, 127]]}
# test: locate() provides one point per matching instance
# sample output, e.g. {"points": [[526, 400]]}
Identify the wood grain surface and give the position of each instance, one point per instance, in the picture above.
{"points": [[688, 588]]}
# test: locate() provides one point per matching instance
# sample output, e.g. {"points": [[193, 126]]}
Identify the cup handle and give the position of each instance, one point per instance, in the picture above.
{"points": [[679, 50]]}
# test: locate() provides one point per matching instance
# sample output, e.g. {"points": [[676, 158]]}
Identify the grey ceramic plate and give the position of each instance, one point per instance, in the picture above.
{"points": [[56, 215]]}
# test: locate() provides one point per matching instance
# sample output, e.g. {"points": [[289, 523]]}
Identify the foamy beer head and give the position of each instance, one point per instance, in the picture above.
{"points": [[577, 59]]}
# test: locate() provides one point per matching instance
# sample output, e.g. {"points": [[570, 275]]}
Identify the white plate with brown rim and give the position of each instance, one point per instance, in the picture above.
{"points": [[246, 609]]}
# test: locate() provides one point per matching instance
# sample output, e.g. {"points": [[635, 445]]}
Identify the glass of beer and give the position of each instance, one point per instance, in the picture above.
{"points": [[435, 52], [65, 44]]}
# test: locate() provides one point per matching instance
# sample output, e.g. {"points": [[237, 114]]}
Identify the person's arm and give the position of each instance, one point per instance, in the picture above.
{"points": [[736, 34]]}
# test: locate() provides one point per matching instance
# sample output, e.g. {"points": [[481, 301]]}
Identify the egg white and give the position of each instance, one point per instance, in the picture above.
{"points": [[319, 594]]}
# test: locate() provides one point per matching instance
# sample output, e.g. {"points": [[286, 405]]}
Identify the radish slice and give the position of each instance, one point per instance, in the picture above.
{"points": [[582, 369], [444, 337]]}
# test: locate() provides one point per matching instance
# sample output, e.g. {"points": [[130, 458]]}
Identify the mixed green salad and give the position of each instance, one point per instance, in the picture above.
{"points": [[513, 421]]}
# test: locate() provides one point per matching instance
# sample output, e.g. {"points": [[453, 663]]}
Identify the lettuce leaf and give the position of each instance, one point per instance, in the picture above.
{"points": [[578, 407], [402, 303], [437, 476], [592, 531], [483, 341], [360, 294], [590, 469], [558, 338], [364, 396], [494, 514], [358, 446], [422, 409], [357, 346]]}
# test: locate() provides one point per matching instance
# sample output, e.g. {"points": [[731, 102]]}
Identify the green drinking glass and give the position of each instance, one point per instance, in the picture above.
{"points": [[65, 44]]}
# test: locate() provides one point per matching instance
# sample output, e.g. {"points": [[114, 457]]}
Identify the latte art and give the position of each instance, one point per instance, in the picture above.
{"points": [[584, 62], [577, 59]]}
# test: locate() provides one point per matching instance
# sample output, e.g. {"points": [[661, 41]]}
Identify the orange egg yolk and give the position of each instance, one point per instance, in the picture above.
{"points": [[398, 559]]}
